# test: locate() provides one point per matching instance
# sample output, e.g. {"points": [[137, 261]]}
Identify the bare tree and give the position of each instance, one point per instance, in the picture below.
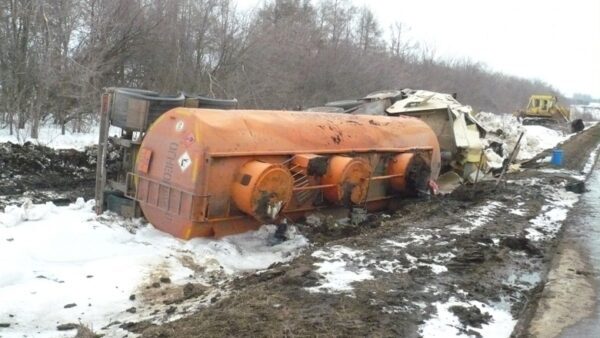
{"points": [[57, 55], [369, 33], [400, 45]]}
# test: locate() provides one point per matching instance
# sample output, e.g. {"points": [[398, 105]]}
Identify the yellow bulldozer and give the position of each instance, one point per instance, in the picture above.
{"points": [[544, 110]]}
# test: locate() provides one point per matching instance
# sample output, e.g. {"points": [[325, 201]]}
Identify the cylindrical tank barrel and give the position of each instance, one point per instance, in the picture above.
{"points": [[203, 172]]}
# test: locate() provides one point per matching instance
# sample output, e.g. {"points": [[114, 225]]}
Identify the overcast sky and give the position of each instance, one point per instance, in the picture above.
{"points": [[556, 41]]}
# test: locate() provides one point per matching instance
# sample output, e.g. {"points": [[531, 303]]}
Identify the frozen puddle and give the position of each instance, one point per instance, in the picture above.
{"points": [[62, 265], [445, 323]]}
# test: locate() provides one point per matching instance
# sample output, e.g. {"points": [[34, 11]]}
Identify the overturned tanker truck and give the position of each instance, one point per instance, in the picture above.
{"points": [[195, 171]]}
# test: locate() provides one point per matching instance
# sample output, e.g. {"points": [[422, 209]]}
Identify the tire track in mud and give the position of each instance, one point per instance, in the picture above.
{"points": [[455, 248]]}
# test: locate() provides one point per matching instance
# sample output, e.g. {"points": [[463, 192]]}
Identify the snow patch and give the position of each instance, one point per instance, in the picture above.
{"points": [[341, 266], [518, 212], [477, 217], [445, 324], [493, 160], [572, 173], [589, 165], [435, 268], [50, 136], [535, 140], [52, 256], [412, 239], [538, 139], [248, 251], [388, 266], [481, 215], [549, 221]]}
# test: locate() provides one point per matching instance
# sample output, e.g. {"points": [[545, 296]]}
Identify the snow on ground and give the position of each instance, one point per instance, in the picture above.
{"points": [[53, 256], [538, 139], [478, 216], [535, 140], [445, 324], [551, 216], [341, 266], [435, 268], [50, 136], [560, 201], [77, 258], [578, 175], [414, 239], [589, 165]]}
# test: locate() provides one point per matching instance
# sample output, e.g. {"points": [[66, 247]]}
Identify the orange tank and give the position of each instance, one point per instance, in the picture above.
{"points": [[204, 172]]}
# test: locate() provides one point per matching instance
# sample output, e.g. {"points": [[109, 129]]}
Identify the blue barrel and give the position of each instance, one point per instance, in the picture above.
{"points": [[557, 157]]}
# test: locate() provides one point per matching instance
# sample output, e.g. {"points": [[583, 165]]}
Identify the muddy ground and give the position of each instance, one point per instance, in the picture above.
{"points": [[479, 234], [473, 245]]}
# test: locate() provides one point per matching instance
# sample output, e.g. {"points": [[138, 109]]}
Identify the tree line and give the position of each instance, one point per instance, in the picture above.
{"points": [[56, 56]]}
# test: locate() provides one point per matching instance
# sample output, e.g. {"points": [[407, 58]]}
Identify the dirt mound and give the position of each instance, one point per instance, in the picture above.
{"points": [[34, 171]]}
